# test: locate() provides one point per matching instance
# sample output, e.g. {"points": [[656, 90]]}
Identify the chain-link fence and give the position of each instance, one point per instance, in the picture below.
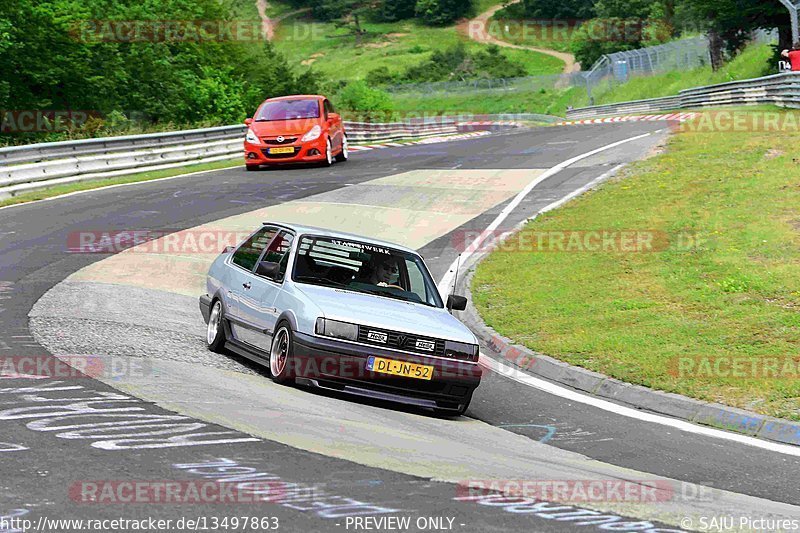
{"points": [[611, 69]]}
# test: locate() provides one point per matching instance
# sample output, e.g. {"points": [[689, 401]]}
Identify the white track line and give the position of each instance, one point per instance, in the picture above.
{"points": [[569, 394], [682, 425], [447, 280]]}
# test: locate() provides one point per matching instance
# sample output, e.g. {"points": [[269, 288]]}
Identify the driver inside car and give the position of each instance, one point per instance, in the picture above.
{"points": [[384, 271]]}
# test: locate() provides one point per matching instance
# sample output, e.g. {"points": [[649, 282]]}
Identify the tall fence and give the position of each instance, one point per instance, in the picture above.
{"points": [[619, 67]]}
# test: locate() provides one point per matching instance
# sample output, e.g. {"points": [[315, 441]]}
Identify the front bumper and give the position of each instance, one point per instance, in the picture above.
{"points": [[310, 152], [205, 307], [341, 366]]}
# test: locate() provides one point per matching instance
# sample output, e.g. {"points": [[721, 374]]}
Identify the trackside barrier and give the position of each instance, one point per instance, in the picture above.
{"points": [[44, 165], [779, 89]]}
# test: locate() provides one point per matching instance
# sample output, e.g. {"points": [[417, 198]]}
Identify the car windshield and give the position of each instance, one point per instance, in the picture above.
{"points": [[365, 268], [288, 110]]}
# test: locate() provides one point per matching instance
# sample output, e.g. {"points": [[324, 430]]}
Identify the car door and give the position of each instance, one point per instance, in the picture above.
{"points": [[257, 311], [334, 122], [241, 265]]}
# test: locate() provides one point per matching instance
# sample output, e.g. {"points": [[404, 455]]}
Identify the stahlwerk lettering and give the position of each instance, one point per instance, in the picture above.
{"points": [[10, 447], [561, 513], [319, 502], [99, 418], [122, 419]]}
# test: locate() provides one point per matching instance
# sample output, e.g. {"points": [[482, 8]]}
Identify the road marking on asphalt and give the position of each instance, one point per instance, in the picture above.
{"points": [[447, 281], [682, 425], [427, 204]]}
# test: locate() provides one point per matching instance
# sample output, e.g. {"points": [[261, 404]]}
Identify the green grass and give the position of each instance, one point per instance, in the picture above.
{"points": [[484, 5], [133, 178], [333, 51], [752, 63], [490, 102], [630, 315]]}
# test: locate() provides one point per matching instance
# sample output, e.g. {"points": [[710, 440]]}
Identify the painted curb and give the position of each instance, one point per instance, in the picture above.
{"points": [[672, 117], [636, 396]]}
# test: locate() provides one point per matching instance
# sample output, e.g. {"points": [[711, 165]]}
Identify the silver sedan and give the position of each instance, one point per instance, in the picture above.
{"points": [[341, 312]]}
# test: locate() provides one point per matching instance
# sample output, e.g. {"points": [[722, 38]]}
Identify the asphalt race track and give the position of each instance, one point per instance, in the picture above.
{"points": [[178, 413]]}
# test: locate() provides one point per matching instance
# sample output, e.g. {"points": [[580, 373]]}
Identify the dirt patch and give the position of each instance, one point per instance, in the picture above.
{"points": [[377, 45], [773, 153], [312, 59], [476, 29], [658, 149], [396, 35]]}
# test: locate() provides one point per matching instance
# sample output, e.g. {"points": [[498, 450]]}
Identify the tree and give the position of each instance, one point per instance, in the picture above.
{"points": [[564, 9], [441, 12], [394, 10], [729, 23]]}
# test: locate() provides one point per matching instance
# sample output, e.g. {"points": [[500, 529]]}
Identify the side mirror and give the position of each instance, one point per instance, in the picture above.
{"points": [[248, 121], [334, 117], [456, 303], [268, 270]]}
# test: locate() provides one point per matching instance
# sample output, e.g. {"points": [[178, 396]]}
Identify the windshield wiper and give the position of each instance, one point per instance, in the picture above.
{"points": [[325, 281]]}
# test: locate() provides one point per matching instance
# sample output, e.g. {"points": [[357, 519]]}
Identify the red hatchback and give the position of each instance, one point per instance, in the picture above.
{"points": [[295, 129]]}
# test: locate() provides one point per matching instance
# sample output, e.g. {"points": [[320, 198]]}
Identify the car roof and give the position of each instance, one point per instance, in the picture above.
{"points": [[297, 97], [301, 229]]}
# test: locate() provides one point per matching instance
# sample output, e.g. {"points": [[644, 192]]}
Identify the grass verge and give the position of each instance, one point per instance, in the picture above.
{"points": [[733, 297], [548, 102], [133, 178]]}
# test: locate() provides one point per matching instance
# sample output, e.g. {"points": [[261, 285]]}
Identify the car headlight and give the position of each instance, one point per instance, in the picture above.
{"points": [[461, 350], [251, 137], [312, 135], [336, 329]]}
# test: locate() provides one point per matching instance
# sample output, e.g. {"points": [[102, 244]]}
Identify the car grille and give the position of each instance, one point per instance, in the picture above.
{"points": [[399, 341], [281, 156], [287, 140]]}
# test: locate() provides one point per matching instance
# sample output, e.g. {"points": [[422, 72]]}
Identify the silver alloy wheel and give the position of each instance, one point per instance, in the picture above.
{"points": [[345, 148], [214, 323], [329, 153], [279, 352]]}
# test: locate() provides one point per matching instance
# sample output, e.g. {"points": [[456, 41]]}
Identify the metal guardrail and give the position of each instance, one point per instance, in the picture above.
{"points": [[55, 150], [38, 166], [779, 89]]}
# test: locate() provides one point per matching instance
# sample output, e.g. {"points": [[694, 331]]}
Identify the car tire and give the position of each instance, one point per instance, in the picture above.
{"points": [[344, 155], [281, 361], [328, 153], [253, 168], [215, 331]]}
